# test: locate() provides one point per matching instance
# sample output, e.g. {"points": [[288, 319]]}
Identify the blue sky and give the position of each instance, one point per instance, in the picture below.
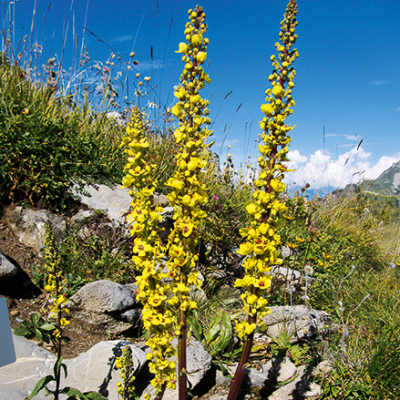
{"points": [[347, 73]]}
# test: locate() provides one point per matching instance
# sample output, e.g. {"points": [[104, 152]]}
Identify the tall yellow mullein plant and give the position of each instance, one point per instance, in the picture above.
{"points": [[261, 240], [188, 193], [148, 252]]}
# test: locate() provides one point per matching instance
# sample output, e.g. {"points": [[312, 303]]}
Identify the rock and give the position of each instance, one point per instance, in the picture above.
{"points": [[286, 251], [160, 200], [106, 303], [8, 269], [298, 322], [88, 371], [290, 276], [323, 369], [300, 387], [18, 379], [29, 226], [281, 370], [285, 369], [198, 364], [82, 216], [114, 201]]}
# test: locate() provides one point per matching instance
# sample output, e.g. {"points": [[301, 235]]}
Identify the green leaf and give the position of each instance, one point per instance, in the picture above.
{"points": [[40, 385], [214, 328], [59, 364], [35, 318], [94, 396], [47, 326], [224, 337], [22, 331], [73, 393], [38, 334]]}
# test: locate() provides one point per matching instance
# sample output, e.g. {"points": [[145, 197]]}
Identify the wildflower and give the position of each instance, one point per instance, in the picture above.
{"points": [[188, 193], [261, 241], [148, 251]]}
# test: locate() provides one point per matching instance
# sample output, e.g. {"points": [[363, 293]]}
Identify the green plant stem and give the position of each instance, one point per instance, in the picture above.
{"points": [[182, 342], [59, 349], [240, 370]]}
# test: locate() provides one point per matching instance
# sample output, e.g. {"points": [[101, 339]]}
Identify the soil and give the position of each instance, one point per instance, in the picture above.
{"points": [[23, 297]]}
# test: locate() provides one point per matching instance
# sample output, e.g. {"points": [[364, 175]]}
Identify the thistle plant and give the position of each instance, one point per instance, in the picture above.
{"points": [[148, 252], [260, 237], [188, 192]]}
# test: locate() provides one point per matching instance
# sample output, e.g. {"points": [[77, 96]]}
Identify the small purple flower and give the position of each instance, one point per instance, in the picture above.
{"points": [[392, 265], [215, 197]]}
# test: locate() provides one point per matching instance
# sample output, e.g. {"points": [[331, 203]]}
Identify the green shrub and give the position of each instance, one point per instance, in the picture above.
{"points": [[47, 143]]}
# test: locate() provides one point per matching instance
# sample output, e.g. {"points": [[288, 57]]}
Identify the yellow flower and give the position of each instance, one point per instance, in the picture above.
{"points": [[196, 39], [201, 56], [182, 48], [277, 91], [267, 109]]}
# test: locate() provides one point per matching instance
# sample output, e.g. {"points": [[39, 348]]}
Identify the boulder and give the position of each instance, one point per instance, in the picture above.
{"points": [[198, 365], [281, 370], [113, 201], [18, 379], [107, 304], [29, 226], [298, 322], [299, 388], [8, 269], [89, 371], [289, 276]]}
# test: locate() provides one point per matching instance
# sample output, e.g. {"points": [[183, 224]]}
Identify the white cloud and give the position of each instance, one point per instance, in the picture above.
{"points": [[321, 170]]}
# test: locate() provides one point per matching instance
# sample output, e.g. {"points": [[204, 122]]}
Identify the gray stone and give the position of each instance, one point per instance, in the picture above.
{"points": [[29, 226], [286, 251], [323, 369], [197, 359], [104, 297], [8, 269], [299, 387], [290, 276], [25, 348], [298, 322], [103, 303], [20, 377], [87, 371], [258, 378], [82, 216], [160, 200], [131, 316], [114, 202], [198, 364]]}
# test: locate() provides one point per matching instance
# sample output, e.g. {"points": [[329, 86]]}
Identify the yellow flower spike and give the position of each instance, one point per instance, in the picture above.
{"points": [[188, 193], [148, 250], [260, 238]]}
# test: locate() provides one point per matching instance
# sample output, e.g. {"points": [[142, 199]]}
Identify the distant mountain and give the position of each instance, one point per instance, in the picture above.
{"points": [[387, 184]]}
